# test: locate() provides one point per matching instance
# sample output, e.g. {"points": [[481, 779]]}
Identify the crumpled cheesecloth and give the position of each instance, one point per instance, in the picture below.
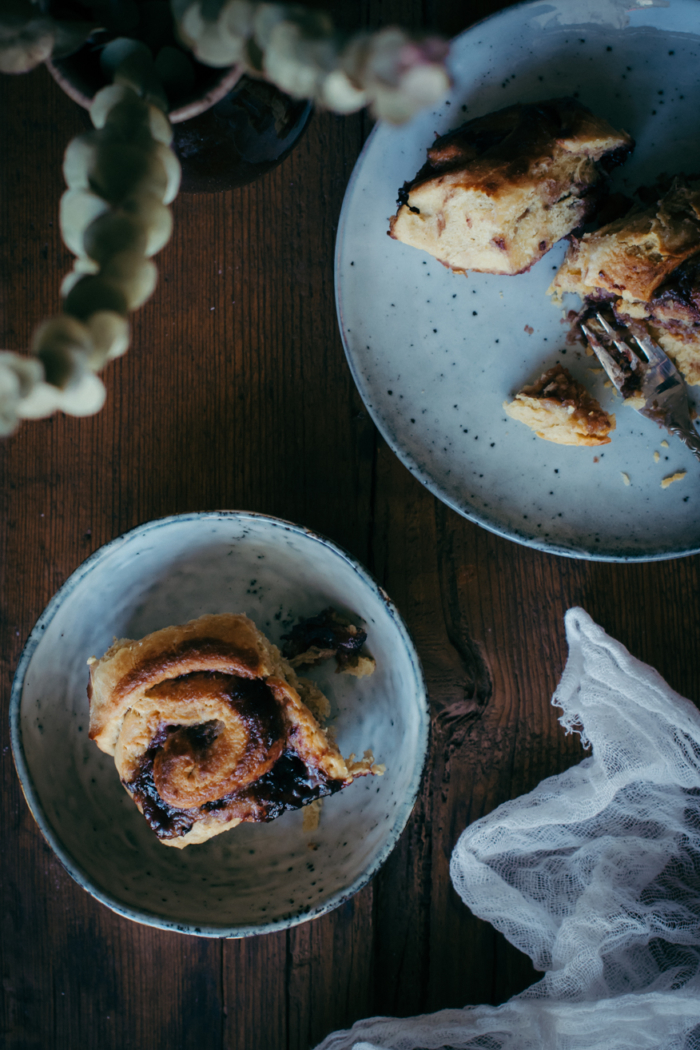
{"points": [[595, 875]]}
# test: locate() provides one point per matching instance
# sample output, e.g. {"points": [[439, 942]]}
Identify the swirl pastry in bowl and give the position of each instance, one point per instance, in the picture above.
{"points": [[209, 726]]}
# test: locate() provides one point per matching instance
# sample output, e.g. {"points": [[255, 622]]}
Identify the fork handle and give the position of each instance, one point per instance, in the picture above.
{"points": [[689, 436]]}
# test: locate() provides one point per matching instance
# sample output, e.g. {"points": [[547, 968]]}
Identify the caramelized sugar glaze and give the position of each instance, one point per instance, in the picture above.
{"points": [[269, 778]]}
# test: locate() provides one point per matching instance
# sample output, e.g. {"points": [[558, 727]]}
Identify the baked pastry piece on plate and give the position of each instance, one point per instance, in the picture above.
{"points": [[209, 727], [560, 409], [647, 264], [499, 191]]}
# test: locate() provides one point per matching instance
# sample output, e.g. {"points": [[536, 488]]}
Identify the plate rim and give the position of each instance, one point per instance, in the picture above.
{"points": [[75, 870], [575, 552]]}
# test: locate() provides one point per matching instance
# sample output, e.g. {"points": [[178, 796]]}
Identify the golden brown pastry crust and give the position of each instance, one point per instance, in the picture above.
{"points": [[647, 263], [498, 192], [207, 726], [631, 257], [560, 409]]}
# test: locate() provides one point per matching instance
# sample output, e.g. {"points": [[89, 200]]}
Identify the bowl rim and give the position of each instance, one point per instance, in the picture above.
{"points": [[224, 79], [32, 797]]}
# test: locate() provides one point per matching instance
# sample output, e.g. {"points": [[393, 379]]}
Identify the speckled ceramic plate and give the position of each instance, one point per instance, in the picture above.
{"points": [[253, 878], [434, 355]]}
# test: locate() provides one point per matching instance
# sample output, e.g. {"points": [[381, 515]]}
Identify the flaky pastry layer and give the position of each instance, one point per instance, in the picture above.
{"points": [[498, 192]]}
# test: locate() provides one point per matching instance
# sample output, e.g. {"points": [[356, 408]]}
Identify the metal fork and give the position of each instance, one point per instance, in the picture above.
{"points": [[653, 377]]}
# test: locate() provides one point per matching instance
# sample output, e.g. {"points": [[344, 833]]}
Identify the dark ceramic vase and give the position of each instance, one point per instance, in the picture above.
{"points": [[228, 128], [251, 130]]}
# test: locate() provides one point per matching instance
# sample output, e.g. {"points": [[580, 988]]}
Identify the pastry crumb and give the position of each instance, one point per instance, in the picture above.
{"points": [[625, 478], [657, 457], [366, 764], [678, 476], [360, 667], [664, 443], [315, 639], [560, 409], [312, 815]]}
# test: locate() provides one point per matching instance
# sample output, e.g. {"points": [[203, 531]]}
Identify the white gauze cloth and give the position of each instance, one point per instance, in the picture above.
{"points": [[595, 875]]}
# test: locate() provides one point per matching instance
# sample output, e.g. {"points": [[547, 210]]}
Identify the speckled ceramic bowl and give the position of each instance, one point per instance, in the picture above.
{"points": [[254, 878]]}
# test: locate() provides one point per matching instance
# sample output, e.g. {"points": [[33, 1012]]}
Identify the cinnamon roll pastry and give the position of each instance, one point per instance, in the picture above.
{"points": [[209, 726]]}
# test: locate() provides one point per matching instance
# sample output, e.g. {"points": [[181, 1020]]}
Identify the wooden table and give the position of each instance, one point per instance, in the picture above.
{"points": [[236, 394]]}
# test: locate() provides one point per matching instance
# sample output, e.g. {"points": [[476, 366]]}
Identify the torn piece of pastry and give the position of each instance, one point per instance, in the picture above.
{"points": [[560, 409], [498, 192], [647, 264], [319, 638], [209, 727]]}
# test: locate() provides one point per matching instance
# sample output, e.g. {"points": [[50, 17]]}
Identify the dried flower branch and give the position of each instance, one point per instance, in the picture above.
{"points": [[121, 176], [303, 54]]}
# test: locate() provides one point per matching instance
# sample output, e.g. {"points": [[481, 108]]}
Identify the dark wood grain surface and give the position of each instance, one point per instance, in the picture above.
{"points": [[236, 394]]}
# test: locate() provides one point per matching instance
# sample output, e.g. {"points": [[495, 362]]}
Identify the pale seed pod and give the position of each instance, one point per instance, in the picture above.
{"points": [[209, 39], [27, 370], [159, 125], [84, 398], [9, 398], [122, 170], [78, 209], [82, 265], [90, 294], [18, 377], [128, 122], [298, 64], [265, 18], [340, 95], [190, 25], [62, 345], [105, 100], [25, 43], [172, 169], [109, 333], [236, 18], [79, 159], [42, 401], [155, 218], [135, 277], [115, 231]]}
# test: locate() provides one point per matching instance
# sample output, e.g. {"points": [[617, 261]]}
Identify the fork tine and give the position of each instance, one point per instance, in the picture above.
{"points": [[621, 345], [612, 369], [652, 352], [657, 383], [600, 317]]}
